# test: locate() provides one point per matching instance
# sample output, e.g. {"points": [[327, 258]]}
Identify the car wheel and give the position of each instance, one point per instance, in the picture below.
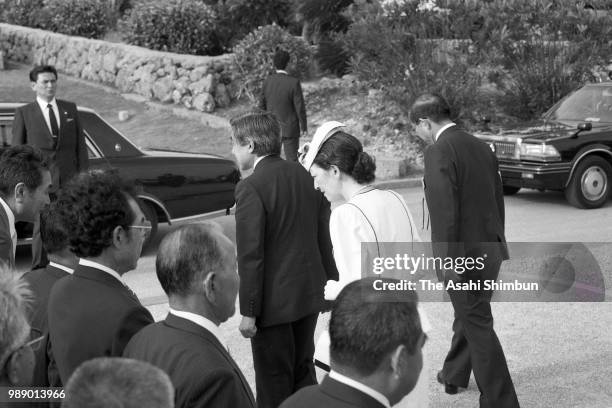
{"points": [[590, 183], [511, 190], [149, 211]]}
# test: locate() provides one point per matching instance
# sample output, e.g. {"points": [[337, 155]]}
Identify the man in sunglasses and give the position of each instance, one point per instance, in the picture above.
{"points": [[376, 357], [92, 313], [16, 355]]}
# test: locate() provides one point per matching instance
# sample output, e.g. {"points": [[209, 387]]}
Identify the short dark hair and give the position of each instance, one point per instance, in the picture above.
{"points": [[39, 69], [14, 325], [93, 204], [53, 229], [281, 59], [260, 127], [367, 324], [431, 106], [114, 382], [186, 255], [346, 152], [20, 164]]}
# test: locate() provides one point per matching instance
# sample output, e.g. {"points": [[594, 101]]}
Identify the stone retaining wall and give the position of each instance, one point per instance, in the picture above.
{"points": [[196, 82]]}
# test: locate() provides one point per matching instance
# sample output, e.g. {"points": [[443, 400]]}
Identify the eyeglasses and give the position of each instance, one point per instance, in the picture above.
{"points": [[146, 227]]}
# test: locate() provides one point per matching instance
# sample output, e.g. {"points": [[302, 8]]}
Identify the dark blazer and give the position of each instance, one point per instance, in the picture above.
{"points": [[67, 155], [202, 371], [7, 252], [330, 394], [41, 281], [282, 95], [91, 314], [284, 249], [465, 198]]}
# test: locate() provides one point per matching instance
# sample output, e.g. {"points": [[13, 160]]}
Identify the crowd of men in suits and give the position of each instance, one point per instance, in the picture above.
{"points": [[87, 331]]}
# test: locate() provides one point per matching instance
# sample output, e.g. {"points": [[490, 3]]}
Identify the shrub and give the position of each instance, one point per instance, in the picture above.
{"points": [[240, 17], [86, 18], [322, 17], [253, 56], [23, 12], [403, 66], [181, 26], [331, 57]]}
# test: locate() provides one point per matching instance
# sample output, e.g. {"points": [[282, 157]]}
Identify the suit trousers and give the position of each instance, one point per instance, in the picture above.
{"points": [[283, 360], [475, 346], [290, 148]]}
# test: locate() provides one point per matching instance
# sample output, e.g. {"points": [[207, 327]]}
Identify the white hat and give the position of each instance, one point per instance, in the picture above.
{"points": [[324, 132]]}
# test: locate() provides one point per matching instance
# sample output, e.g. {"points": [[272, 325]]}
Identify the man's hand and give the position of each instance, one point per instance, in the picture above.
{"points": [[247, 327], [304, 133]]}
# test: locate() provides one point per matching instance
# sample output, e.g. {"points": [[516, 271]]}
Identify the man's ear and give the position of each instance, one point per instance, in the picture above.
{"points": [[397, 360], [119, 236], [335, 171], [251, 146], [20, 192], [33, 85], [210, 286]]}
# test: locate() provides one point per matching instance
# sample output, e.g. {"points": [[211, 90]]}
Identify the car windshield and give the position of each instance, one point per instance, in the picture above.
{"points": [[588, 104]]}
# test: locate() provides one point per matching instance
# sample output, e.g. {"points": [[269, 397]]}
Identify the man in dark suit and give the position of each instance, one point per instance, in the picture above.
{"points": [[464, 194], [376, 345], [53, 126], [282, 95], [118, 382], [284, 258], [196, 266], [25, 181], [92, 313], [62, 263]]}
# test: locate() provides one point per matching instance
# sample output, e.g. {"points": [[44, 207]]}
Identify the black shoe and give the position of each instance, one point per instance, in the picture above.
{"points": [[448, 388]]}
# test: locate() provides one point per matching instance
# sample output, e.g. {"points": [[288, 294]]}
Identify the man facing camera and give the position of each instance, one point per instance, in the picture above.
{"points": [[24, 189], [196, 266], [376, 359], [51, 125], [284, 258], [92, 313]]}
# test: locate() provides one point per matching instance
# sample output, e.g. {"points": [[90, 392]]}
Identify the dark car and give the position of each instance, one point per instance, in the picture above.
{"points": [[569, 149], [176, 186]]}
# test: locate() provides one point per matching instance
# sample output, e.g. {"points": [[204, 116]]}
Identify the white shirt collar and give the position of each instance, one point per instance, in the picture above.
{"points": [[443, 128], [43, 104], [11, 220], [257, 160], [281, 71], [62, 267], [200, 321], [361, 387], [92, 264]]}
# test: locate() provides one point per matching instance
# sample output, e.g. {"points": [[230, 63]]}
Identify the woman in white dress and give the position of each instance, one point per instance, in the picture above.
{"points": [[363, 213]]}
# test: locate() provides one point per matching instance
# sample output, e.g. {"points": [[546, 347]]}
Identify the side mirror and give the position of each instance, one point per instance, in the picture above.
{"points": [[584, 126], [484, 123]]}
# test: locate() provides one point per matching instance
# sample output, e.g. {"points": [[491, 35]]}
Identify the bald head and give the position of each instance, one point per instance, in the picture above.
{"points": [[196, 266]]}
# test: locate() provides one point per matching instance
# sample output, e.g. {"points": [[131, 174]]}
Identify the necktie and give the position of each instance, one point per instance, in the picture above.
{"points": [[53, 121]]}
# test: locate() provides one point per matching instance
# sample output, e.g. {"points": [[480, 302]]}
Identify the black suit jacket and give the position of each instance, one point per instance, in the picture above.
{"points": [[282, 95], [67, 155], [465, 198], [7, 253], [41, 281], [202, 371], [284, 249], [330, 394], [91, 314]]}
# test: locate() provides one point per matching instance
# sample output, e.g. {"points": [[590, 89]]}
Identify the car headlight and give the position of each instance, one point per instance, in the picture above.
{"points": [[539, 152]]}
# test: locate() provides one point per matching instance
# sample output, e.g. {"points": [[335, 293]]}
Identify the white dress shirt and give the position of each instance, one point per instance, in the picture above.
{"points": [[62, 267], [361, 387], [11, 221], [104, 268], [202, 322], [45, 111], [442, 129]]}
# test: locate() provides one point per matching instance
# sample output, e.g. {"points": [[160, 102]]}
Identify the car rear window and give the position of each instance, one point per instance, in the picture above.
{"points": [[110, 142]]}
